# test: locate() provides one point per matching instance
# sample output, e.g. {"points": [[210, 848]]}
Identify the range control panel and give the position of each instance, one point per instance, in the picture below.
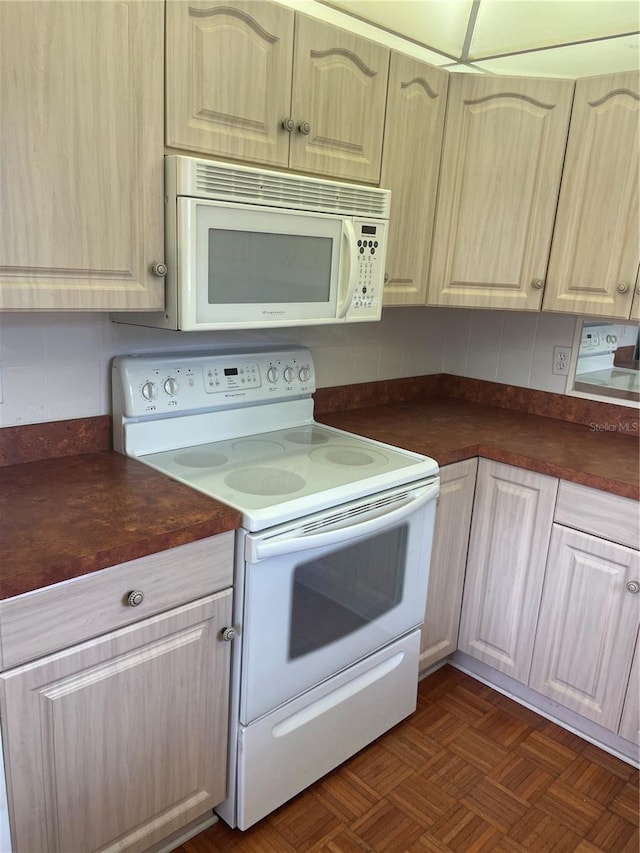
{"points": [[148, 385]]}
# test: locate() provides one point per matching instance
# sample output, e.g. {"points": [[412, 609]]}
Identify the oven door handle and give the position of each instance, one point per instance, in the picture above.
{"points": [[295, 540]]}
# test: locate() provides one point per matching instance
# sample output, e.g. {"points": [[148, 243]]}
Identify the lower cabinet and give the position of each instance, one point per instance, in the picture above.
{"points": [[510, 533], [630, 722], [117, 742], [552, 596], [448, 561], [587, 625]]}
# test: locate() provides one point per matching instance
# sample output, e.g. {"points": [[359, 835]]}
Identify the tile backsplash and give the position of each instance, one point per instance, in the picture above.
{"points": [[56, 366]]}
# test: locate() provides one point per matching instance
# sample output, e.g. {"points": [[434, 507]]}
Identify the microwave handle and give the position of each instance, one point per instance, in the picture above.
{"points": [[349, 237]]}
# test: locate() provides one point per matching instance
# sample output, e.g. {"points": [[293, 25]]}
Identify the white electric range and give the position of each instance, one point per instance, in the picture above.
{"points": [[332, 557]]}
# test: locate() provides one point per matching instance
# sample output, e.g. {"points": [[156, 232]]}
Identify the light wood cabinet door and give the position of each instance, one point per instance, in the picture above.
{"points": [[416, 103], [596, 239], [81, 155], [510, 532], [229, 78], [448, 561], [340, 90], [114, 744], [587, 626], [635, 305], [502, 159], [630, 722]]}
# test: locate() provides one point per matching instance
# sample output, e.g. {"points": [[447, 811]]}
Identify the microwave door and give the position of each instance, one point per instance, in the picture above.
{"points": [[257, 267]]}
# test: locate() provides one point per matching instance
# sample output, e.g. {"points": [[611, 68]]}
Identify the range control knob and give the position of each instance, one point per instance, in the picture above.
{"points": [[287, 373], [272, 375], [304, 374], [171, 386], [148, 390]]}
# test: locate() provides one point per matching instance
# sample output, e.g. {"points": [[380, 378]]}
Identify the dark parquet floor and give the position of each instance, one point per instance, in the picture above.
{"points": [[469, 772]]}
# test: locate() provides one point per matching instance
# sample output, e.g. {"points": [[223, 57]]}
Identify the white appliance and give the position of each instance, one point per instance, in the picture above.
{"points": [[250, 248], [598, 345], [332, 559]]}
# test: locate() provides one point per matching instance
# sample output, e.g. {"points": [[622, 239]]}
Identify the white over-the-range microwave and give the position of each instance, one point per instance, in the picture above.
{"points": [[248, 248]]}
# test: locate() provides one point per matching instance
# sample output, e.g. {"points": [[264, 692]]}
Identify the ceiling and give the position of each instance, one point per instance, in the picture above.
{"points": [[561, 38]]}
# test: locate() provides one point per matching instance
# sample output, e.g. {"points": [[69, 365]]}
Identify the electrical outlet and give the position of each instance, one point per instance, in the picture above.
{"points": [[561, 360]]}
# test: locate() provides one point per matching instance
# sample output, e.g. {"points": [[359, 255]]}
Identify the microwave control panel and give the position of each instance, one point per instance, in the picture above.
{"points": [[371, 242]]}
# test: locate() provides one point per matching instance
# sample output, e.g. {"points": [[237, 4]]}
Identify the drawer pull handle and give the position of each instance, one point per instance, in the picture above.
{"points": [[633, 587], [135, 598], [228, 634]]}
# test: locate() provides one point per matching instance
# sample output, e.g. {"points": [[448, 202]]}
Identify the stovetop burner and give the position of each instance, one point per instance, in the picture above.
{"points": [[264, 481], [354, 456]]}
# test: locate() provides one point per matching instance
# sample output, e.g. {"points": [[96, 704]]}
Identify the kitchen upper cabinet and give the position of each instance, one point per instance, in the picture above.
{"points": [[229, 78], [338, 102], [416, 104], [448, 561], [241, 85], [503, 151], [588, 625], [510, 531], [596, 241], [81, 207]]}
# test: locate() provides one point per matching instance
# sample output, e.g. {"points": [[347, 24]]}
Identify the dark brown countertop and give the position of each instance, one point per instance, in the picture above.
{"points": [[83, 511], [64, 517], [602, 455]]}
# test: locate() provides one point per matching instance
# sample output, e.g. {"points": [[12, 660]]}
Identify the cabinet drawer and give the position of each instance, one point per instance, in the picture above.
{"points": [[40, 622], [599, 513]]}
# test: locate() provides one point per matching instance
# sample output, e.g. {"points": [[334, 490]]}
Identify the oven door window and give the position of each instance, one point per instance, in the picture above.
{"points": [[340, 592]]}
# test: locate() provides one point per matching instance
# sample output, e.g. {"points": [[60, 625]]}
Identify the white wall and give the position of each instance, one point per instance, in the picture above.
{"points": [[56, 366]]}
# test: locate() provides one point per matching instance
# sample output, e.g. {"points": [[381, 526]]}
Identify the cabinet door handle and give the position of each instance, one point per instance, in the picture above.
{"points": [[622, 287], [288, 124], [159, 269], [135, 598], [304, 128], [633, 587], [537, 283], [228, 634]]}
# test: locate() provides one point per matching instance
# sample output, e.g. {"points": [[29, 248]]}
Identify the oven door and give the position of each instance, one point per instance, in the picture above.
{"points": [[323, 592]]}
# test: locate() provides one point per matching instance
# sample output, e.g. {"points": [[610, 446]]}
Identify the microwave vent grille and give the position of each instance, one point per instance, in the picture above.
{"points": [[272, 189]]}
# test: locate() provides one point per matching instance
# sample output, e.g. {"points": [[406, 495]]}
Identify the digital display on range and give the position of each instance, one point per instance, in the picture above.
{"points": [[231, 371], [369, 229]]}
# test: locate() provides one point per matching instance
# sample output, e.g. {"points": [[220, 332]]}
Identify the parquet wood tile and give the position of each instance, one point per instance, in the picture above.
{"points": [[455, 775], [521, 778], [422, 799], [470, 772], [495, 805], [546, 752], [387, 827]]}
